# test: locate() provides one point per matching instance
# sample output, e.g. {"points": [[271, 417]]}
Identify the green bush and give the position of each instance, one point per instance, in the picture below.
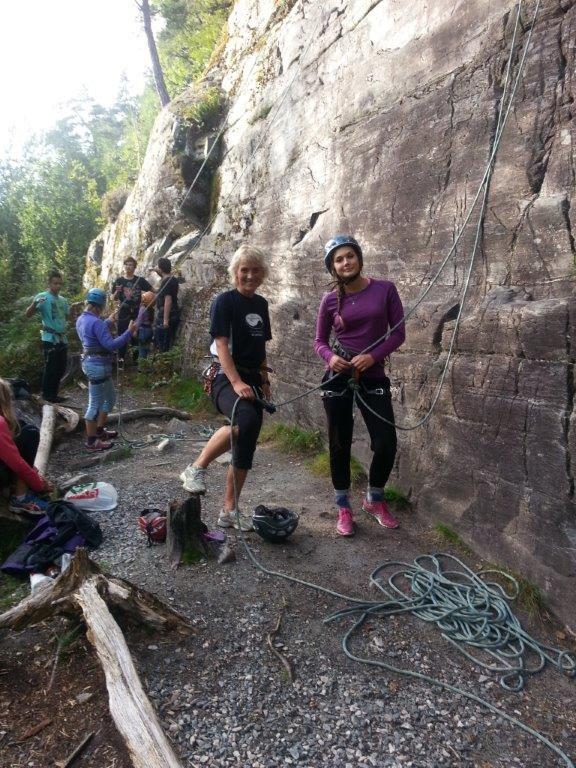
{"points": [[112, 203], [20, 347], [291, 439]]}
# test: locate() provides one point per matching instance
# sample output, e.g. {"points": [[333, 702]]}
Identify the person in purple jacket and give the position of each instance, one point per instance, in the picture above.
{"points": [[358, 311], [98, 347]]}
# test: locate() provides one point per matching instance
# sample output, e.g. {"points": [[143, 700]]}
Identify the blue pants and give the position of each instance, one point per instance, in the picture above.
{"points": [[101, 392], [145, 334]]}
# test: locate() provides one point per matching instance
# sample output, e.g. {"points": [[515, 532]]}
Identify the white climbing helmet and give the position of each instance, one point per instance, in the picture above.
{"points": [[94, 497]]}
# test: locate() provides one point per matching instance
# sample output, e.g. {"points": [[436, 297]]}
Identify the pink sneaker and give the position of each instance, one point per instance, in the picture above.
{"points": [[379, 510], [345, 524]]}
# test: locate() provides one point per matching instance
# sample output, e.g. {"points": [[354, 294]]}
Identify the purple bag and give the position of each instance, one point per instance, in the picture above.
{"points": [[43, 545]]}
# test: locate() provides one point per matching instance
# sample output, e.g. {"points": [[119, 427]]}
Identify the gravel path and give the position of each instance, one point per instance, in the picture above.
{"points": [[225, 699]]}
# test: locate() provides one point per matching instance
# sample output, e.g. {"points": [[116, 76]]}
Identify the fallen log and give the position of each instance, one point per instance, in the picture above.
{"points": [[85, 590], [129, 706], [46, 437], [142, 413]]}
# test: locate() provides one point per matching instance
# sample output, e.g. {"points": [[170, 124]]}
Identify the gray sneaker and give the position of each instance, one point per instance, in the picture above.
{"points": [[234, 519], [194, 479]]}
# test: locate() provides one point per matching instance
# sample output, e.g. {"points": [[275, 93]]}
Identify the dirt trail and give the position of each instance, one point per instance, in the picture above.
{"points": [[223, 697]]}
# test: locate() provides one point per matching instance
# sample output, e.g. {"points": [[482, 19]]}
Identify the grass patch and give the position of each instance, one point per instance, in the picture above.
{"points": [[290, 439], [446, 533], [397, 497], [319, 466], [530, 597], [12, 591], [188, 395]]}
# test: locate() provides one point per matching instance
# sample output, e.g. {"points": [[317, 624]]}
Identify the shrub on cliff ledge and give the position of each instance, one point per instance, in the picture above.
{"points": [[112, 203]]}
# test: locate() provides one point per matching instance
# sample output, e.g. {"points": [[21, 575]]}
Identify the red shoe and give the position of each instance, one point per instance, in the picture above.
{"points": [[380, 511], [107, 434], [98, 445], [345, 524]]}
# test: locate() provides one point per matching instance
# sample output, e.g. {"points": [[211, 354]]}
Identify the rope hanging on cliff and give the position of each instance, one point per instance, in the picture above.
{"points": [[503, 114]]}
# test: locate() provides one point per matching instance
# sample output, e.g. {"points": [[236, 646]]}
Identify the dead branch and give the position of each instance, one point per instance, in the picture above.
{"points": [[34, 730], [68, 760], [280, 656]]}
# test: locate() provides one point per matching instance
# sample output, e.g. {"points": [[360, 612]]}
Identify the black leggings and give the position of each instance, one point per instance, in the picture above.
{"points": [[339, 412], [55, 359], [247, 417], [26, 441]]}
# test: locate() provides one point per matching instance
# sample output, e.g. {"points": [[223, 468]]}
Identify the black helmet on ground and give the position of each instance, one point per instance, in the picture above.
{"points": [[338, 241], [274, 524]]}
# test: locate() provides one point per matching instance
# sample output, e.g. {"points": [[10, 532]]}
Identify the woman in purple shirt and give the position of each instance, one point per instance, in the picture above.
{"points": [[358, 311]]}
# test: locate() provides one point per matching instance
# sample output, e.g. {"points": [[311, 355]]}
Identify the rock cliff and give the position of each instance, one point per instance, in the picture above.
{"points": [[376, 117]]}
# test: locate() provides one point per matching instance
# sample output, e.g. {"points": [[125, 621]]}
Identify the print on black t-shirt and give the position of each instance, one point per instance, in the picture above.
{"points": [[246, 322], [129, 307]]}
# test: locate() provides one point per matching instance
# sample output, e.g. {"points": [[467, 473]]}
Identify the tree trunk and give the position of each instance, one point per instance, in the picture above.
{"points": [[156, 66]]}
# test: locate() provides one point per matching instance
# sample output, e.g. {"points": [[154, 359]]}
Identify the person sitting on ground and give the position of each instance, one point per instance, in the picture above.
{"points": [[18, 446], [127, 291], [359, 311], [145, 320], [54, 310], [167, 311], [98, 347], [240, 328]]}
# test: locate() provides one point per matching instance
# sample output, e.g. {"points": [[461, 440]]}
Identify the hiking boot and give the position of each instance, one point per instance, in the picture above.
{"points": [[56, 400], [107, 434], [194, 479], [345, 524], [235, 519], [98, 445], [28, 503], [379, 510]]}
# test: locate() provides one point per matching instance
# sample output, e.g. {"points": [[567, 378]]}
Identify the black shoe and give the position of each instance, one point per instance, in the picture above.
{"points": [[56, 400]]}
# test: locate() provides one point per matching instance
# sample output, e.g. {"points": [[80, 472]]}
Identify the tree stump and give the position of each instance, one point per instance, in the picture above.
{"points": [[185, 543]]}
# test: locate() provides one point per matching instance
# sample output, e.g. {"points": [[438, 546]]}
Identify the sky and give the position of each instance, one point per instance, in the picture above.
{"points": [[52, 50]]}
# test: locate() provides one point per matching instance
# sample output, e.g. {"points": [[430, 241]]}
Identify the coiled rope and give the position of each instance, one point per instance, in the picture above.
{"points": [[473, 615]]}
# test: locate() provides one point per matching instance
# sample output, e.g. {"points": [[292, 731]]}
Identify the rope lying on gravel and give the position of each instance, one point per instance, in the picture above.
{"points": [[471, 613]]}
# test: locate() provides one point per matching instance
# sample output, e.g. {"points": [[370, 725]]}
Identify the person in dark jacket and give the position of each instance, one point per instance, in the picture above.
{"points": [[18, 446], [98, 347], [167, 310]]}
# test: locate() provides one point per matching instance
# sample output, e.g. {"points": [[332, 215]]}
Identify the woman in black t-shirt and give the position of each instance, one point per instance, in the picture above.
{"points": [[167, 310], [240, 328]]}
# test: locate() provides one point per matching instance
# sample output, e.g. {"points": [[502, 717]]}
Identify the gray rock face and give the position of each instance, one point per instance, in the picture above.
{"points": [[360, 116]]}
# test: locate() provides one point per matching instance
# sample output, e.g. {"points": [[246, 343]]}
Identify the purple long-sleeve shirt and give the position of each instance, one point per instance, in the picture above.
{"points": [[95, 333], [367, 315]]}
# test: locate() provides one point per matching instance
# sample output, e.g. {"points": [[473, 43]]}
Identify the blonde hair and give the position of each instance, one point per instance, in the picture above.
{"points": [[7, 407], [251, 255]]}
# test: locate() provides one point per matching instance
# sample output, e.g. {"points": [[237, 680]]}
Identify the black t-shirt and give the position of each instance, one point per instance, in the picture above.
{"points": [[168, 287], [246, 322], [129, 307]]}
